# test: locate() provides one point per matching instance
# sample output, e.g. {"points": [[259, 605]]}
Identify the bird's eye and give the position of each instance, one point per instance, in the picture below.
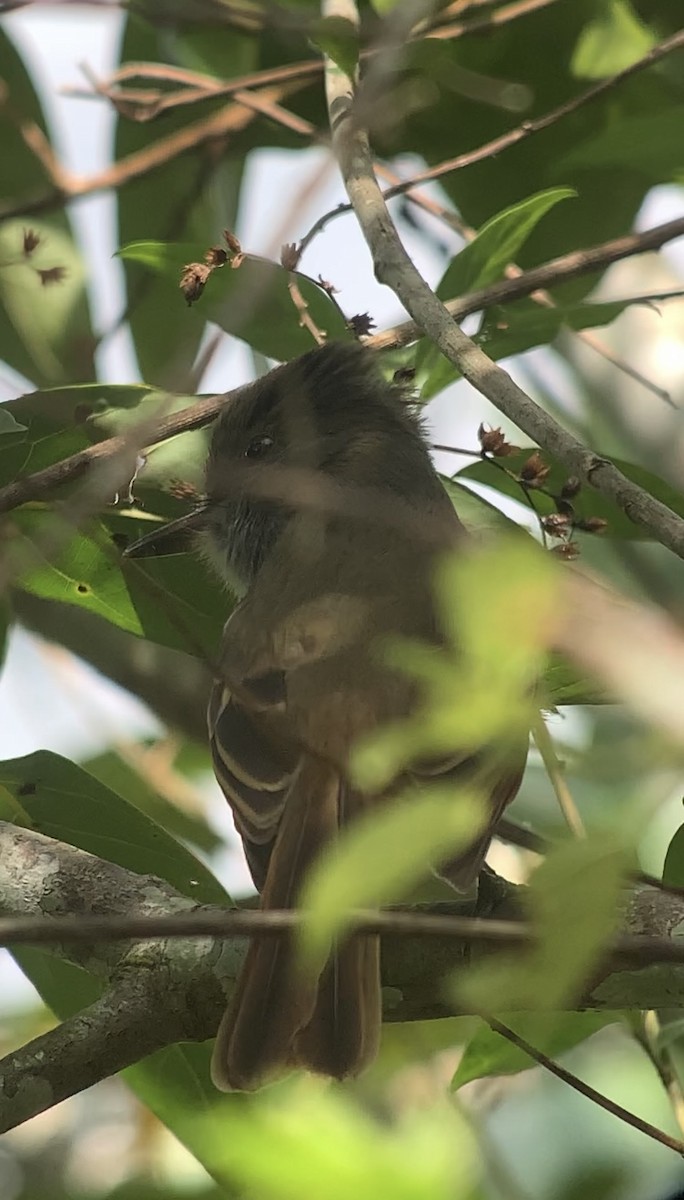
{"points": [[259, 445]]}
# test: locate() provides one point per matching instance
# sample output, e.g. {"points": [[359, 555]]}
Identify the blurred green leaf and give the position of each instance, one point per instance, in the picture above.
{"points": [[61, 800], [479, 515], [383, 855], [563, 685], [572, 901], [45, 331], [497, 244], [647, 138], [488, 1053], [611, 41], [252, 302], [187, 197], [588, 503], [298, 1140], [44, 327], [493, 606]]}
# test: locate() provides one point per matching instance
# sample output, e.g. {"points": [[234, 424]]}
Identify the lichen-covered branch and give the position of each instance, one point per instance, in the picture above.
{"points": [[161, 991]]}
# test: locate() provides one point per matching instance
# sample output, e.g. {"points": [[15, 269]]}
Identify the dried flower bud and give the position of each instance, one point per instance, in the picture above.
{"points": [[215, 257], [232, 242], [31, 240], [593, 525], [51, 275], [557, 524], [534, 472], [237, 260], [192, 282], [566, 551], [493, 441], [361, 324], [571, 488], [289, 256]]}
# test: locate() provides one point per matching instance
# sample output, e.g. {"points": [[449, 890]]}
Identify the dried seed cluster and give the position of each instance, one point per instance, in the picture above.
{"points": [[532, 476]]}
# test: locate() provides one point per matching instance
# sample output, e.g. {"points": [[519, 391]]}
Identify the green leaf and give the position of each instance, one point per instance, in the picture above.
{"points": [[299, 1140], [56, 422], [252, 302], [161, 599], [611, 41], [338, 38], [121, 775], [75, 568], [645, 140], [493, 607], [562, 685], [8, 424], [573, 903], [187, 197], [488, 1053], [497, 244], [477, 514], [45, 332], [673, 869], [514, 329], [383, 855], [588, 503], [61, 800]]}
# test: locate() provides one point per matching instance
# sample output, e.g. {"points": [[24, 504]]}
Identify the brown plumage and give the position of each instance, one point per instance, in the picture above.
{"points": [[302, 676]]}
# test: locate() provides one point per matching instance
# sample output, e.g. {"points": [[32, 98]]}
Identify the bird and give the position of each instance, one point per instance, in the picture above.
{"points": [[325, 517]]}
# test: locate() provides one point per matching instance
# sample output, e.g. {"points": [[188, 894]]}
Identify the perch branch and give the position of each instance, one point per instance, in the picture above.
{"points": [[178, 982]]}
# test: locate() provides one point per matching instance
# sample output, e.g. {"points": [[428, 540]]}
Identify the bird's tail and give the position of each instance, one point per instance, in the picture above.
{"points": [[280, 1016]]}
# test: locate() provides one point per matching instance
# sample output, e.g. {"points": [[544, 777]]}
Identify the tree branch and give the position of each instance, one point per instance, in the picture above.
{"points": [[585, 1089], [548, 275], [394, 267], [174, 989], [195, 416]]}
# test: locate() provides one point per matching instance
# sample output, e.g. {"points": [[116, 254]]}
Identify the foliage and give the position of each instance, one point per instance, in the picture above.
{"points": [[579, 180]]}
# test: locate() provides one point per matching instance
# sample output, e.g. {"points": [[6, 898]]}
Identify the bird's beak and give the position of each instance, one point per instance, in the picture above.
{"points": [[175, 537]]}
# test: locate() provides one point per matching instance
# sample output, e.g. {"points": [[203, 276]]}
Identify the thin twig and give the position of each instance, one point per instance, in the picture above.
{"points": [[231, 119], [554, 771], [647, 1036], [195, 416], [636, 951], [616, 1110]]}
